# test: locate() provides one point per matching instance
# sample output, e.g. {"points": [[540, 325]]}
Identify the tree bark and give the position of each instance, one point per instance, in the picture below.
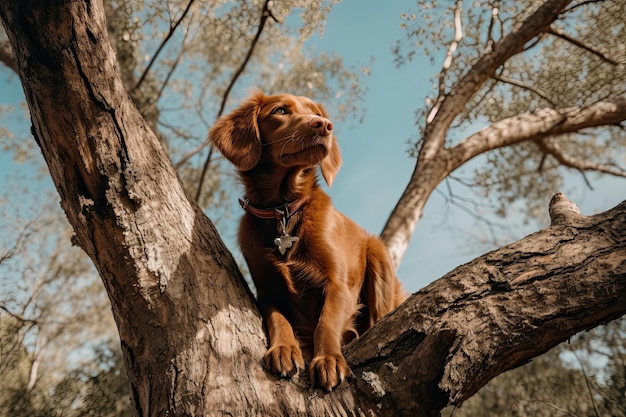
{"points": [[191, 335], [498, 311]]}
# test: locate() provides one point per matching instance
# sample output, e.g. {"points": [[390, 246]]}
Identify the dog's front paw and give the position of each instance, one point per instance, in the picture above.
{"points": [[284, 360], [328, 371]]}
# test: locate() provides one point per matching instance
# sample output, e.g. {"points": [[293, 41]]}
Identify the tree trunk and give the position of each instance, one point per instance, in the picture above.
{"points": [[191, 335]]}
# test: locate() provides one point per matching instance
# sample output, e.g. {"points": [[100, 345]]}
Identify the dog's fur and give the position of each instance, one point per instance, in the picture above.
{"points": [[336, 280]]}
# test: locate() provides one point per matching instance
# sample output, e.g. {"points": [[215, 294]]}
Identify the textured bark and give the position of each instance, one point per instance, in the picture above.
{"points": [[497, 312], [183, 312], [191, 334]]}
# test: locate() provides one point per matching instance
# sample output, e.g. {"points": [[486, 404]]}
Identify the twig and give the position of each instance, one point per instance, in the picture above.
{"points": [[576, 42], [267, 13], [463, 203], [24, 234], [203, 144], [172, 69], [163, 43], [520, 84], [178, 132], [551, 405], [17, 316], [447, 62], [591, 396], [551, 148], [584, 3], [495, 10]]}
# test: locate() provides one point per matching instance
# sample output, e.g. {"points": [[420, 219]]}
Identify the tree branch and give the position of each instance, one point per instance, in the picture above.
{"points": [[172, 68], [430, 170], [520, 84], [265, 14], [510, 45], [582, 4], [495, 16], [579, 44], [495, 313], [537, 125], [447, 62], [162, 45], [17, 316], [551, 147]]}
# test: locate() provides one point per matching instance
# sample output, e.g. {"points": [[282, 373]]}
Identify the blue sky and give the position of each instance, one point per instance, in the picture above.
{"points": [[376, 167]]}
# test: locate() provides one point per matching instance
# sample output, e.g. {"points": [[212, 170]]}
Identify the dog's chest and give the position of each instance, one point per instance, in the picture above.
{"points": [[280, 236], [289, 245]]}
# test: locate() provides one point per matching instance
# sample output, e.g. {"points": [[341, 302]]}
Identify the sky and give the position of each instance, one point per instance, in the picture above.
{"points": [[376, 166]]}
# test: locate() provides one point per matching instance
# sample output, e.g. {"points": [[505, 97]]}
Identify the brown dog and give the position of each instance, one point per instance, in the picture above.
{"points": [[321, 280]]}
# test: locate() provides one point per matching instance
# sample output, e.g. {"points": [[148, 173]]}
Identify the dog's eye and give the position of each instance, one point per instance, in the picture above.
{"points": [[279, 110]]}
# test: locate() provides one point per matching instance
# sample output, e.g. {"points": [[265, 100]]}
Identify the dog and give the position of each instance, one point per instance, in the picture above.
{"points": [[321, 280]]}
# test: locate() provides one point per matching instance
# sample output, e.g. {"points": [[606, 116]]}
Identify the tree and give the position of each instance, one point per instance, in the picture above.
{"points": [[536, 123], [50, 312], [194, 40], [191, 335]]}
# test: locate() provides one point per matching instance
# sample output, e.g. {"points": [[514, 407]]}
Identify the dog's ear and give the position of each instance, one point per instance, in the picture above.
{"points": [[237, 135], [331, 163]]}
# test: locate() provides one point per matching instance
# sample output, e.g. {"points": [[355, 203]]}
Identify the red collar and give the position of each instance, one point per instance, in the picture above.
{"points": [[280, 212]]}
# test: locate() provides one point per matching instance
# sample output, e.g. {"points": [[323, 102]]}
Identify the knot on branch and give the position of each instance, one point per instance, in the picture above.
{"points": [[562, 210]]}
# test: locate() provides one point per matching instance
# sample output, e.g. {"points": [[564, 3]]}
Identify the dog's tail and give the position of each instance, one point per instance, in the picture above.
{"points": [[381, 289]]}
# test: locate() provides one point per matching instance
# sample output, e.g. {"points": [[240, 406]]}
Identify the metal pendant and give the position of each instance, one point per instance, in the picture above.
{"points": [[284, 241]]}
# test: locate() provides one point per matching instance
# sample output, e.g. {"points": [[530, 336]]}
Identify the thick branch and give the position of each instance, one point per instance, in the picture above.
{"points": [[537, 125], [174, 288], [485, 68], [496, 313]]}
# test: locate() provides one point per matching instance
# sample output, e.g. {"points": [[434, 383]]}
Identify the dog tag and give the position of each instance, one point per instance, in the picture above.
{"points": [[284, 242]]}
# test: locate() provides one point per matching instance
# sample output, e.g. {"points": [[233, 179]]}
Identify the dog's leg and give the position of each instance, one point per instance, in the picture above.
{"points": [[328, 367], [284, 356]]}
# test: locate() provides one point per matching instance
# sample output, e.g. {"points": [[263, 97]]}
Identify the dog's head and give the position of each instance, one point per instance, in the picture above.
{"points": [[282, 129]]}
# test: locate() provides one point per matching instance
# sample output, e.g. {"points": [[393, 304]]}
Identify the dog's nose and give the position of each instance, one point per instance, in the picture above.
{"points": [[321, 125]]}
